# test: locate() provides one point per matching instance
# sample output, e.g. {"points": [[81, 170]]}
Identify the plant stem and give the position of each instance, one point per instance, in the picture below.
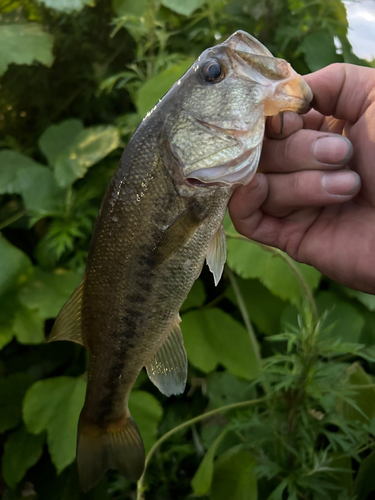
{"points": [[245, 314], [292, 266], [12, 219], [188, 423]]}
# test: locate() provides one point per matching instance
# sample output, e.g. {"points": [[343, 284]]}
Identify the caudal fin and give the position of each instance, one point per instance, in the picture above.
{"points": [[119, 446]]}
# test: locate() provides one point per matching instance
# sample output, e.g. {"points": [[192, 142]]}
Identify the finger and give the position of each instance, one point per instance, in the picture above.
{"points": [[305, 150], [342, 90], [290, 192], [283, 124], [246, 200], [251, 221], [316, 121]]}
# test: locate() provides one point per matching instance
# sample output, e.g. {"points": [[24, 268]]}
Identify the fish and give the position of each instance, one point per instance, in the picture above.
{"points": [[160, 219]]}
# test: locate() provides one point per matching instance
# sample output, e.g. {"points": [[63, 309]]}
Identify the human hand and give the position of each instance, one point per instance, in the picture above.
{"points": [[306, 201]]}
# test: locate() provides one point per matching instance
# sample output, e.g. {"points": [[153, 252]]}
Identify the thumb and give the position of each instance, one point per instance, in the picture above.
{"points": [[342, 90]]}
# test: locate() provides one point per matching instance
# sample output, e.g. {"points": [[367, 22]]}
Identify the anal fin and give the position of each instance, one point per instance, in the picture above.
{"points": [[168, 368], [68, 324], [217, 254]]}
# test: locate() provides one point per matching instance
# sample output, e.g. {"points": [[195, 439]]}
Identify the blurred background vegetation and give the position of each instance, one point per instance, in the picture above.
{"points": [[290, 350]]}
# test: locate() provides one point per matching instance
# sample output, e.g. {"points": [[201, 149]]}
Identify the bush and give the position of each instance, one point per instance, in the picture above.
{"points": [[287, 415]]}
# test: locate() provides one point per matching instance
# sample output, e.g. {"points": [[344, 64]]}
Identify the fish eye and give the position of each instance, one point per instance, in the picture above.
{"points": [[213, 72]]}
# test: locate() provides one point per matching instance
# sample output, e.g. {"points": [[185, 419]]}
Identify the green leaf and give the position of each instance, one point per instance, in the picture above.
{"points": [[201, 482], [366, 299], [364, 398], [48, 292], [344, 321], [90, 146], [319, 49], [223, 388], [28, 326], [54, 405], [56, 138], [258, 300], [21, 451], [158, 85], [24, 43], [15, 266], [234, 476], [365, 481], [249, 260], [67, 6], [213, 337], [196, 296], [125, 7], [12, 391], [147, 412], [186, 7], [36, 183]]}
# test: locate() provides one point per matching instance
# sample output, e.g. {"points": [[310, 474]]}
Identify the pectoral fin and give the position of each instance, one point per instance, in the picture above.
{"points": [[68, 324], [168, 368], [178, 233], [217, 254]]}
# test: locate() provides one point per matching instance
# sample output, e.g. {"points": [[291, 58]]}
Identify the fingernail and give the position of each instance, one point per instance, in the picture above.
{"points": [[277, 123], [332, 150], [340, 183], [244, 190]]}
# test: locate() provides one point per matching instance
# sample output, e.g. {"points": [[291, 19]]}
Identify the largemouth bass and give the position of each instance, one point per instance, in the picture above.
{"points": [[160, 219]]}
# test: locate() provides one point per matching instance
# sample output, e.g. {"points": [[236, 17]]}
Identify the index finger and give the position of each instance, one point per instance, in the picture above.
{"points": [[342, 90]]}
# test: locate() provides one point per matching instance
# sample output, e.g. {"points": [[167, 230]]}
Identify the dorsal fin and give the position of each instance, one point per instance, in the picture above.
{"points": [[68, 324], [168, 367], [217, 254]]}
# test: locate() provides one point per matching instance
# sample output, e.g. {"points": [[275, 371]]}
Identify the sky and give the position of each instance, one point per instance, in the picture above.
{"points": [[361, 17]]}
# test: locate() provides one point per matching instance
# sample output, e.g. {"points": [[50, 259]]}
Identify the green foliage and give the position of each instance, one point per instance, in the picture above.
{"points": [[281, 399], [53, 405], [21, 451], [24, 43]]}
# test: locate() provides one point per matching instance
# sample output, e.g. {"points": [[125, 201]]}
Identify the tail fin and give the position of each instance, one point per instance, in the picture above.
{"points": [[119, 446]]}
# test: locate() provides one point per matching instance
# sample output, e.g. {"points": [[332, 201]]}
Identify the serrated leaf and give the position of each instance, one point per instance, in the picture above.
{"points": [[15, 266], [201, 482], [28, 326], [147, 412], [196, 296], [249, 260], [213, 337], [186, 7], [67, 6], [234, 477], [12, 391], [90, 146], [54, 405], [48, 292], [319, 49], [344, 320], [21, 451], [35, 182], [24, 43], [58, 137], [157, 86]]}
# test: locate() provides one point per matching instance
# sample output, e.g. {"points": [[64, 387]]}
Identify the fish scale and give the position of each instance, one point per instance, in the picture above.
{"points": [[161, 217]]}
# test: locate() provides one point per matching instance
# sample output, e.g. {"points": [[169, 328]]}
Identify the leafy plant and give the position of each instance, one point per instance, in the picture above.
{"points": [[280, 401]]}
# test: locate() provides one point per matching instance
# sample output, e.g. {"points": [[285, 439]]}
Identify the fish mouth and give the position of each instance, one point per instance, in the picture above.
{"points": [[240, 170]]}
